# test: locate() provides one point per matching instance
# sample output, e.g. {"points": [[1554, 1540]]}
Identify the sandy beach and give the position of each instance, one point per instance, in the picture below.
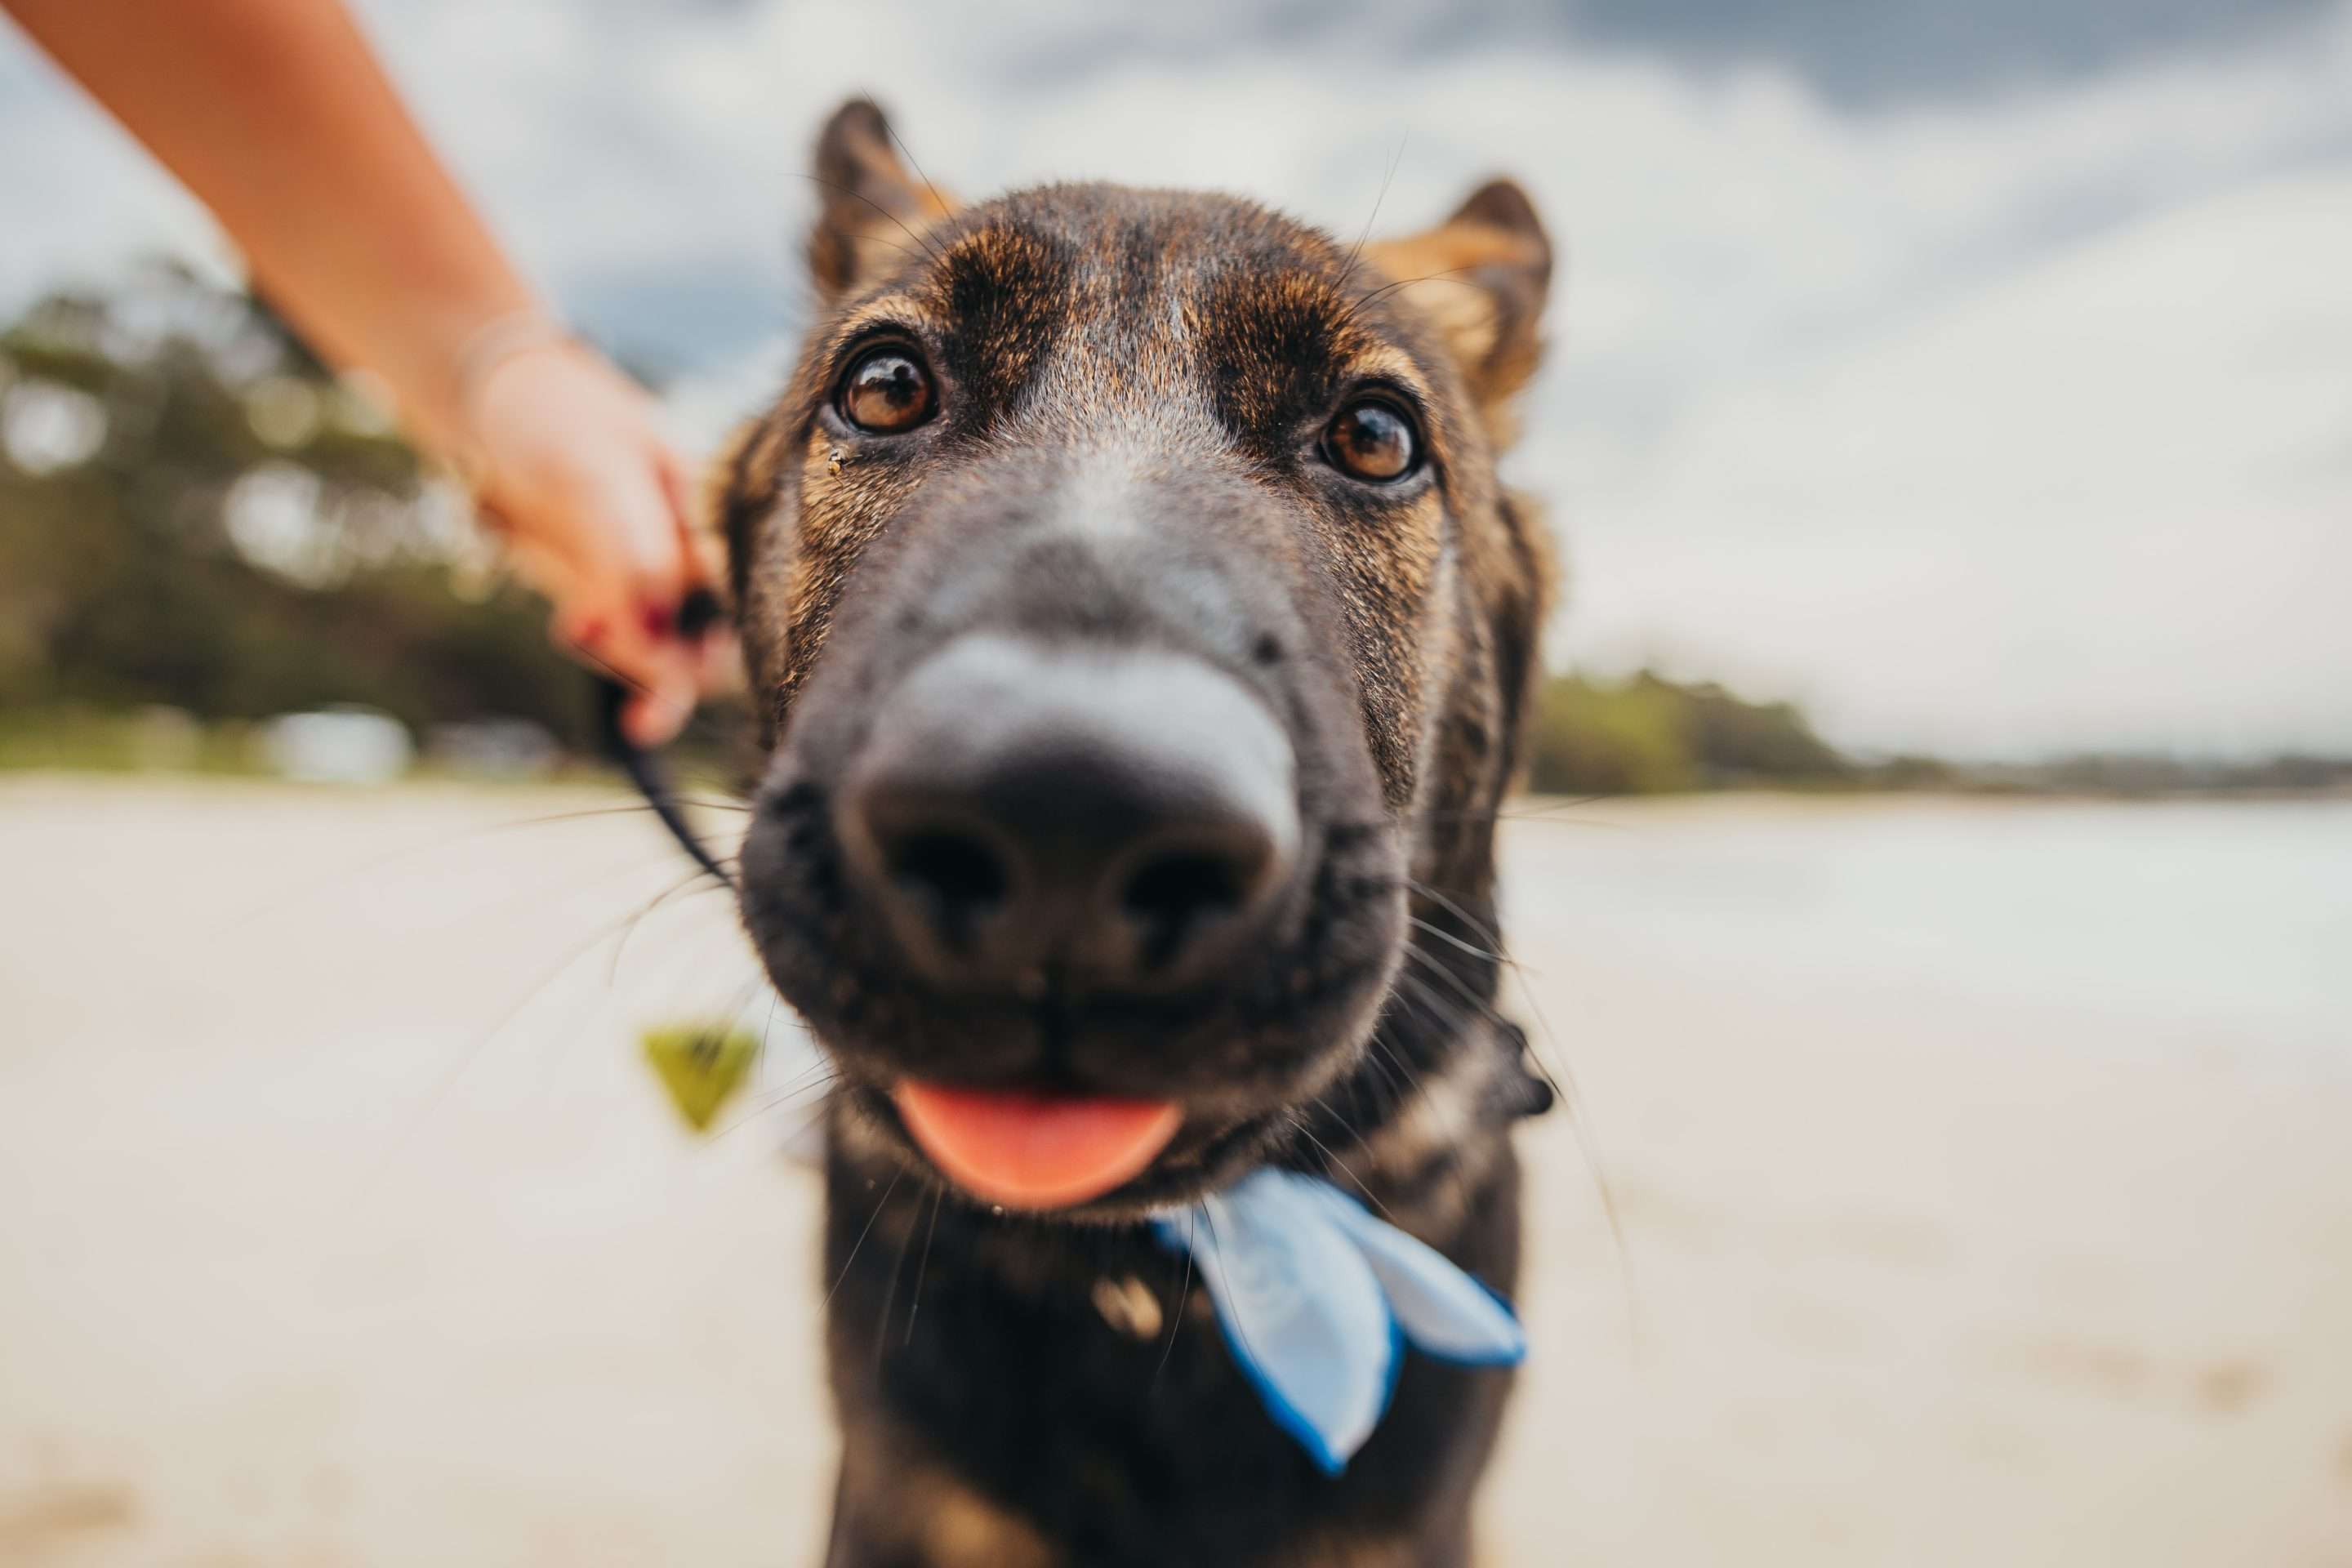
{"points": [[1985, 1172]]}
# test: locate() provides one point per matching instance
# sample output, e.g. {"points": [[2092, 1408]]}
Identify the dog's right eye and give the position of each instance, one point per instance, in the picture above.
{"points": [[886, 391], [1375, 440]]}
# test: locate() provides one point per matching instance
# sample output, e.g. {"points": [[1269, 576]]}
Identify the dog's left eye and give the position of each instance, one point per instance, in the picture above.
{"points": [[886, 391], [1373, 439]]}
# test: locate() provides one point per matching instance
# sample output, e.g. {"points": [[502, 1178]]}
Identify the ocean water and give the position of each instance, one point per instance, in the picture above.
{"points": [[2196, 917]]}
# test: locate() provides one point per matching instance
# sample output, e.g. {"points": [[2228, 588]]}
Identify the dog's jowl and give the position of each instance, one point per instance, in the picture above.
{"points": [[1140, 635]]}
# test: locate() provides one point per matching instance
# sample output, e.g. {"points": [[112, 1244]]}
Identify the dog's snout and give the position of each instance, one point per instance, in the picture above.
{"points": [[1024, 815]]}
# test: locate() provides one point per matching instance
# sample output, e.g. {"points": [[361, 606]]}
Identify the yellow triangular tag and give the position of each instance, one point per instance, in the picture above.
{"points": [[703, 1065]]}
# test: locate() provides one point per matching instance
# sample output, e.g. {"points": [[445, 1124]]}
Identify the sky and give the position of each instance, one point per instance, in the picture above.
{"points": [[1978, 377]]}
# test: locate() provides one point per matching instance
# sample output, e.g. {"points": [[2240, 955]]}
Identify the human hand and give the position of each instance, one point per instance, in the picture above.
{"points": [[571, 467]]}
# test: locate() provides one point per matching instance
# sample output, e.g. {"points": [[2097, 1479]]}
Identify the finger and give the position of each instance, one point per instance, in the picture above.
{"points": [[653, 716], [646, 662], [595, 628], [677, 481], [601, 622], [653, 532], [719, 662], [613, 597], [662, 673]]}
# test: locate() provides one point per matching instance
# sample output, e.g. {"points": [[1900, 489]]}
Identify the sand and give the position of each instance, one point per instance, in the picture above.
{"points": [[1969, 1219]]}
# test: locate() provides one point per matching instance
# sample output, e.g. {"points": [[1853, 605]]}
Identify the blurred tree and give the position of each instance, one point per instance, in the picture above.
{"points": [[1593, 740], [1737, 741], [194, 512], [1649, 735]]}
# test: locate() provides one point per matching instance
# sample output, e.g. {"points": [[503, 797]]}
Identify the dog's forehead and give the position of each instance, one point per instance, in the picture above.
{"points": [[1071, 298], [1116, 247]]}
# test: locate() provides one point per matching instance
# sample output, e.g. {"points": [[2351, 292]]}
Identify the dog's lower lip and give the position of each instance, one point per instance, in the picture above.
{"points": [[1031, 1150]]}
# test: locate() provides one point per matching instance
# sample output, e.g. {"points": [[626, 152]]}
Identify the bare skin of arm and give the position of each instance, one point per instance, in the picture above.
{"points": [[276, 114]]}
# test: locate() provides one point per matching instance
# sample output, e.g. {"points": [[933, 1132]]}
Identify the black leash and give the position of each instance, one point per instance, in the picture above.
{"points": [[696, 613]]}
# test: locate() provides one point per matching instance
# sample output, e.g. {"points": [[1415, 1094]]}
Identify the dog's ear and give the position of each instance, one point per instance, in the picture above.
{"points": [[872, 208], [1480, 278]]}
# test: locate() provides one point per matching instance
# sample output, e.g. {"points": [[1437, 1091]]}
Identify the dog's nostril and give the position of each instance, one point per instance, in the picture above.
{"points": [[1171, 895], [1179, 886], [957, 876]]}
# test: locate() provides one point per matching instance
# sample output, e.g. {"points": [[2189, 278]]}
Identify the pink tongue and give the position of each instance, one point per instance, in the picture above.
{"points": [[1033, 1151]]}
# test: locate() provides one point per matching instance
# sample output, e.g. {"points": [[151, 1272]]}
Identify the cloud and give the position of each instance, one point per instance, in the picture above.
{"points": [[2108, 495], [1891, 50], [77, 195], [1837, 391]]}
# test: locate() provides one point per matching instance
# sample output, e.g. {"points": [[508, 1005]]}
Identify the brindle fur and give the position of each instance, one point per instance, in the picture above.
{"points": [[992, 1410]]}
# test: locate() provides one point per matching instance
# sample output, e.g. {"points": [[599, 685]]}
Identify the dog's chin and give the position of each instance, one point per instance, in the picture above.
{"points": [[1211, 1148]]}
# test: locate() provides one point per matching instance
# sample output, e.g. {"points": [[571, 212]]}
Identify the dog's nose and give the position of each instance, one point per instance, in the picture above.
{"points": [[1026, 815]]}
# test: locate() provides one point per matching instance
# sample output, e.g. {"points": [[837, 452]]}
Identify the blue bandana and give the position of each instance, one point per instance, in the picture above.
{"points": [[1317, 1298]]}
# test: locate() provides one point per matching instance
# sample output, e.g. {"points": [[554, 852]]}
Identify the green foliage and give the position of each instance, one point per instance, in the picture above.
{"points": [[79, 739], [1649, 735], [2140, 775], [124, 585], [1594, 739]]}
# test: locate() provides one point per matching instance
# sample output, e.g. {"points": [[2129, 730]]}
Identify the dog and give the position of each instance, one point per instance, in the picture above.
{"points": [[1140, 638]]}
